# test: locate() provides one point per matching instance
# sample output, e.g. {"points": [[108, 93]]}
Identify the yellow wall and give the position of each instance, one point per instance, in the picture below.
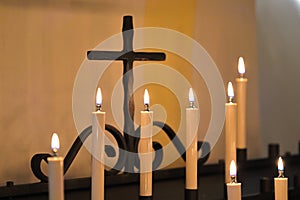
{"points": [[42, 45], [180, 17], [227, 31]]}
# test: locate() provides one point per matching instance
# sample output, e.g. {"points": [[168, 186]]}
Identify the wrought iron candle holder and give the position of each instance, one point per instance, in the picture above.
{"points": [[129, 140]]}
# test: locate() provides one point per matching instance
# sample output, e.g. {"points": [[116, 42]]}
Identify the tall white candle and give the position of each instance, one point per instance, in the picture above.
{"points": [[55, 172], [192, 115], [241, 84], [145, 149], [281, 183], [98, 126], [234, 191], [230, 132]]}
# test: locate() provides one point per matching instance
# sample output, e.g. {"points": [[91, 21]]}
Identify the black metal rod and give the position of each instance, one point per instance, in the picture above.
{"points": [[296, 181], [145, 198], [241, 155], [191, 194], [273, 151], [265, 185], [105, 55], [123, 55]]}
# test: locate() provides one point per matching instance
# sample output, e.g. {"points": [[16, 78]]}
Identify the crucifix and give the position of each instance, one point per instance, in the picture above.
{"points": [[128, 56]]}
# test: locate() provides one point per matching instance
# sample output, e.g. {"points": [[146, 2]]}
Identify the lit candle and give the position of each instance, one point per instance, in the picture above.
{"points": [[281, 183], [234, 191], [98, 126], [192, 122], [230, 132], [241, 84], [145, 150], [55, 172]]}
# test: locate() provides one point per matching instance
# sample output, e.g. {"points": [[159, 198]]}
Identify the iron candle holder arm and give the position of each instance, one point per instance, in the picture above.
{"points": [[204, 146], [37, 159]]}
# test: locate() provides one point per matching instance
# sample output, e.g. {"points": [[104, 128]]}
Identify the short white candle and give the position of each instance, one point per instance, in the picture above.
{"points": [[98, 128], [281, 183], [145, 149], [241, 84], [230, 132], [234, 191], [192, 121], [55, 172]]}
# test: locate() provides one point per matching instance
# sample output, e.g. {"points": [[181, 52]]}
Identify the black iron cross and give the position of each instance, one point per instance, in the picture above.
{"points": [[128, 56], [129, 141]]}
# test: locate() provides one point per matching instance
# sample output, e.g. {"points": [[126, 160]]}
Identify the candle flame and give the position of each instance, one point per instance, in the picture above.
{"points": [[191, 95], [55, 143], [280, 164], [99, 97], [241, 65], [230, 90], [232, 168], [146, 97]]}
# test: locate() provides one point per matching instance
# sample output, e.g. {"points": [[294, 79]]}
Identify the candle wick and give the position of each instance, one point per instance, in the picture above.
{"points": [[233, 179], [98, 107], [280, 174], [230, 99], [146, 107], [192, 104], [54, 152], [242, 75]]}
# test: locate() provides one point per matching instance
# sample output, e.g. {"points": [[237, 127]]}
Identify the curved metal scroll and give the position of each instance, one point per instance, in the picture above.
{"points": [[204, 146], [37, 159], [69, 158]]}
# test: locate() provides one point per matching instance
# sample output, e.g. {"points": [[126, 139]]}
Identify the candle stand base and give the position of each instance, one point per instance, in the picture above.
{"points": [[170, 183], [225, 191], [145, 198], [191, 194], [297, 181], [241, 155], [273, 151], [266, 185]]}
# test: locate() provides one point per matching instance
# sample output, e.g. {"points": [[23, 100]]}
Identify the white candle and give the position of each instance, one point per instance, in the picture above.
{"points": [[234, 191], [281, 183], [192, 115], [241, 84], [230, 132], [145, 149], [55, 172], [98, 126]]}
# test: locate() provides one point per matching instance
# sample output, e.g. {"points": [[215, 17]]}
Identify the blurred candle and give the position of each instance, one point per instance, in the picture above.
{"points": [[241, 97], [55, 172], [98, 128], [145, 149], [234, 191], [281, 183], [230, 132], [192, 123]]}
